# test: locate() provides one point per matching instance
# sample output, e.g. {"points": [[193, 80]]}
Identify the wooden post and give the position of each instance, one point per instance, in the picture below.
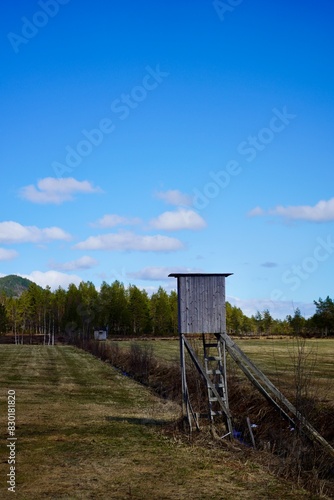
{"points": [[185, 409], [250, 432]]}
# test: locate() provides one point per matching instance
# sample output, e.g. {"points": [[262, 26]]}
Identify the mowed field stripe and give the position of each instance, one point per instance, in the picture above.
{"points": [[84, 431]]}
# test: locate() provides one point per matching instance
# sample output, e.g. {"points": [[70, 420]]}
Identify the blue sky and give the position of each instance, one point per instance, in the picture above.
{"points": [[144, 138]]}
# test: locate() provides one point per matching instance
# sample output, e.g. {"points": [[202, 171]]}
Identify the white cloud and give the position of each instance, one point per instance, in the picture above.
{"points": [[53, 190], [53, 279], [182, 218], [321, 212], [112, 220], [130, 241], [175, 197], [13, 232], [7, 254], [160, 273], [84, 262], [255, 212]]}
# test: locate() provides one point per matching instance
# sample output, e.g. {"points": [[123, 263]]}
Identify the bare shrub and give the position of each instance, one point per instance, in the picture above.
{"points": [[141, 362]]}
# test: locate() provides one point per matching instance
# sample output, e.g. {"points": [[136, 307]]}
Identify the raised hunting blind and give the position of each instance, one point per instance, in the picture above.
{"points": [[202, 316], [202, 311]]}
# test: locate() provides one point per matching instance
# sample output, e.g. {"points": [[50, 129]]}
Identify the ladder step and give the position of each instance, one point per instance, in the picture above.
{"points": [[211, 345], [213, 358], [213, 399], [213, 372], [217, 386], [213, 413]]}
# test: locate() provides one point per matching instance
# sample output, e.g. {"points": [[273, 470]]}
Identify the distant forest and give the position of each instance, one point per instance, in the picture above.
{"points": [[129, 311]]}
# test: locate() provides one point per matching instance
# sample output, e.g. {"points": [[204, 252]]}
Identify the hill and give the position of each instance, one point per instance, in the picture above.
{"points": [[13, 285]]}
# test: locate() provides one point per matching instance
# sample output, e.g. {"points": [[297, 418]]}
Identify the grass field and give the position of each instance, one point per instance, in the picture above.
{"points": [[277, 358], [84, 431]]}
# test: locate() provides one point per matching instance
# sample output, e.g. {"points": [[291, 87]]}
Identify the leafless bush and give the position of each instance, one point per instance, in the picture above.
{"points": [[141, 362]]}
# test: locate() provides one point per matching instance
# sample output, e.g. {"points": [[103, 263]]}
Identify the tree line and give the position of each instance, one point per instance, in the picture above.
{"points": [[80, 310], [129, 311]]}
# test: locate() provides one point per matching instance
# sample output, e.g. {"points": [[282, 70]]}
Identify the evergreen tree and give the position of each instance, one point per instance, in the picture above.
{"points": [[72, 316], [267, 321], [324, 315], [114, 306], [87, 308], [296, 322], [173, 304], [3, 319], [139, 311], [161, 313], [59, 307]]}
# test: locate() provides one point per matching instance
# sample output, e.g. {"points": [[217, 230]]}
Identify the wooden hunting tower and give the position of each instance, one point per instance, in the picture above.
{"points": [[202, 315], [202, 311]]}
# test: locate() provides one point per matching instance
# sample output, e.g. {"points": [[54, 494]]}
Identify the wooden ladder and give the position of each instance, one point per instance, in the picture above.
{"points": [[215, 369]]}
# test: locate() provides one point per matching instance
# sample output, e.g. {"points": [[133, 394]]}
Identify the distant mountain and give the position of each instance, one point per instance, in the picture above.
{"points": [[14, 286]]}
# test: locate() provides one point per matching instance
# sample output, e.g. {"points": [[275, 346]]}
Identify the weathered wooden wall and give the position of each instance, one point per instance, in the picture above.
{"points": [[201, 303]]}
